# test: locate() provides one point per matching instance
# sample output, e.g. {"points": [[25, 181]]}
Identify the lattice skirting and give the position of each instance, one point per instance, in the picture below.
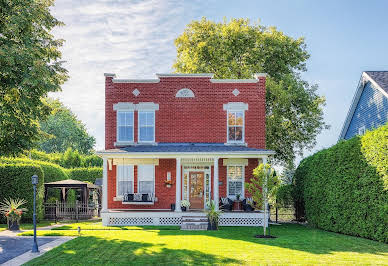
{"points": [[171, 218]]}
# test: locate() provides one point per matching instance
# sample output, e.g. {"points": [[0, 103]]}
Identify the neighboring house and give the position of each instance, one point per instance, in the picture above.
{"points": [[180, 137], [369, 108]]}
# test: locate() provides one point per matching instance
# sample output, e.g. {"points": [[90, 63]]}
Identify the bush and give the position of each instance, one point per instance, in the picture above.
{"points": [[284, 196], [71, 159], [344, 188], [15, 182], [52, 172], [91, 161], [42, 156], [85, 174]]}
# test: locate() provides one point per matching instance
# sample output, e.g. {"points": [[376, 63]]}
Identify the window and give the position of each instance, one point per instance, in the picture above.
{"points": [[361, 131], [235, 126], [146, 126], [146, 178], [235, 181], [124, 178], [125, 126]]}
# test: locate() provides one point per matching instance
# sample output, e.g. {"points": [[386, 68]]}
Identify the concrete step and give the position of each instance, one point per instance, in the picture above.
{"points": [[194, 222], [194, 226]]}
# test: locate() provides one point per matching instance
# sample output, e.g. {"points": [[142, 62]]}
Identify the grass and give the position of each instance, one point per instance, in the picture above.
{"points": [[134, 245]]}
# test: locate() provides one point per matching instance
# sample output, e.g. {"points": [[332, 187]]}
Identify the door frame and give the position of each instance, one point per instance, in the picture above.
{"points": [[192, 168]]}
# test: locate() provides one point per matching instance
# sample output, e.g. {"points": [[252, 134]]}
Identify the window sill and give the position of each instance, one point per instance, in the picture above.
{"points": [[147, 143], [236, 144], [123, 143], [118, 198]]}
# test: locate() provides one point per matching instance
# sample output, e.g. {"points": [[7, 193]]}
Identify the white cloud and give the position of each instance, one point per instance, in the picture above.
{"points": [[133, 39]]}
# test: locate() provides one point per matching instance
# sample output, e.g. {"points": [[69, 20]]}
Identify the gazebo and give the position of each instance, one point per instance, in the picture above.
{"points": [[65, 185]]}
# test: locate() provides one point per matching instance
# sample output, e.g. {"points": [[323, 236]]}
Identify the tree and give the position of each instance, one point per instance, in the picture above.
{"points": [[63, 130], [237, 49], [30, 67], [262, 186]]}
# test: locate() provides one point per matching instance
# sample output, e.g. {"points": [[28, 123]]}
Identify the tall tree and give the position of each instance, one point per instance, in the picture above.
{"points": [[237, 49], [30, 67], [63, 131]]}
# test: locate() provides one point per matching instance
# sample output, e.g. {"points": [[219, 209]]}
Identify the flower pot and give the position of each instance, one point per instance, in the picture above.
{"points": [[183, 208], [168, 185], [13, 225], [173, 206], [212, 226]]}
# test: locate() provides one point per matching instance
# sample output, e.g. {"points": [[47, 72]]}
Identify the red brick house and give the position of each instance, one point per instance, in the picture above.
{"points": [[180, 137]]}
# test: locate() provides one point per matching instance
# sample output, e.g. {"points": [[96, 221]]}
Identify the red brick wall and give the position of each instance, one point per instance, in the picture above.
{"points": [[199, 119], [165, 195]]}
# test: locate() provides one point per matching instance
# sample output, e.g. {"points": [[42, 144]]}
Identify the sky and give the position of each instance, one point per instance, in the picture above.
{"points": [[135, 39]]}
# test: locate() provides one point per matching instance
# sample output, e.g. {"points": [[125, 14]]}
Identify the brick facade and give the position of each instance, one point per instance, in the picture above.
{"points": [[199, 119]]}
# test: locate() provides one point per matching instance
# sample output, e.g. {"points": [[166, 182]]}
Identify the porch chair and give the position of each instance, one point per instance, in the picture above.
{"points": [[226, 204], [248, 204]]}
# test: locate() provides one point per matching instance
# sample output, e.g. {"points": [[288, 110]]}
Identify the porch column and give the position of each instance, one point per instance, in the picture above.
{"points": [[216, 183], [178, 186], [104, 185], [266, 215]]}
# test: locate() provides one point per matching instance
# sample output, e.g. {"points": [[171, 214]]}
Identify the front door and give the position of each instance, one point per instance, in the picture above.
{"points": [[196, 195]]}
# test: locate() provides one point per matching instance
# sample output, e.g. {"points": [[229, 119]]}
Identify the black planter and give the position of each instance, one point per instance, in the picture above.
{"points": [[13, 225], [183, 209], [212, 226], [173, 207]]}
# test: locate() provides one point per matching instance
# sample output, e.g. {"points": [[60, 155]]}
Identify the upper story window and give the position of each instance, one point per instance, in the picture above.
{"points": [[125, 126], [361, 130], [146, 126], [235, 126]]}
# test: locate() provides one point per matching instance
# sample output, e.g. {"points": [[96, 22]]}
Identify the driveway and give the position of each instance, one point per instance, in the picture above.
{"points": [[13, 246]]}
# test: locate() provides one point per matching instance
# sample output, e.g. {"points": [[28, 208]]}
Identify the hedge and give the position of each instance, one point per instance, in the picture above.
{"points": [[15, 182], [52, 172], [85, 174], [344, 188]]}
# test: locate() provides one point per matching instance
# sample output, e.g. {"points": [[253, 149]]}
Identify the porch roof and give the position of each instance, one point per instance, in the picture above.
{"points": [[186, 148]]}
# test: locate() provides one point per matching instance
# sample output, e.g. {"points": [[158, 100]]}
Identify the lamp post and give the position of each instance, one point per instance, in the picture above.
{"points": [[34, 181]]}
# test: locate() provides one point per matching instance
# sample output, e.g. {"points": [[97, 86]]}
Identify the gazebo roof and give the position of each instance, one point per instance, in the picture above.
{"points": [[70, 183]]}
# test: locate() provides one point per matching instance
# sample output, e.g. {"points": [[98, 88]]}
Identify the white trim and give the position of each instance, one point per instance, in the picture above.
{"points": [[110, 75], [260, 75], [147, 106], [216, 185], [186, 170], [138, 127], [235, 161], [123, 106], [361, 130], [178, 75], [104, 185], [178, 186], [235, 106], [135, 80], [185, 93], [243, 181], [124, 142], [365, 78], [170, 155], [234, 81]]}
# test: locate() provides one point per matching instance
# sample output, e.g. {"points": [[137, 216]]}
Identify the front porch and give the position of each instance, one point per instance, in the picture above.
{"points": [[154, 217]]}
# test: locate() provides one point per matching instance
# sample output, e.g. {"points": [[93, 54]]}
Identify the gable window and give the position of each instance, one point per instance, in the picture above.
{"points": [[361, 131], [146, 178], [235, 126], [235, 175], [125, 126], [124, 179], [146, 126]]}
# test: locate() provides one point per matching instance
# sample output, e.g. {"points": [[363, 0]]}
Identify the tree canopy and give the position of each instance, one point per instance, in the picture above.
{"points": [[30, 67], [63, 131], [238, 49]]}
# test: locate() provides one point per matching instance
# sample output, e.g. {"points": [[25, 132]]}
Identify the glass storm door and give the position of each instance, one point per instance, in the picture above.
{"points": [[196, 195]]}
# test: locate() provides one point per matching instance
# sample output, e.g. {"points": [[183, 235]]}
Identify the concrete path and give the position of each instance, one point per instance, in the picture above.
{"points": [[16, 250]]}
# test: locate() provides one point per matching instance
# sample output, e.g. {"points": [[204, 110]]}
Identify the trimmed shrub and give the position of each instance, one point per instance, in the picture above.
{"points": [[52, 172], [344, 188], [91, 161], [284, 196], [85, 174], [15, 182]]}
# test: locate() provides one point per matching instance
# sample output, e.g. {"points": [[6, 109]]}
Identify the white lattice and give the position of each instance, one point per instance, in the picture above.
{"points": [[170, 220], [240, 221], [131, 221]]}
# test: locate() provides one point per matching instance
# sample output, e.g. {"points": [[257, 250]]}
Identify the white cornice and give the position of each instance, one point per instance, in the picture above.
{"points": [[135, 80], [147, 106], [234, 81], [260, 75], [124, 106], [178, 75], [110, 75]]}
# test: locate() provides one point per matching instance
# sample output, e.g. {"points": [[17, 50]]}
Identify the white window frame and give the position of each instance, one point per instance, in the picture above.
{"points": [[242, 196], [361, 130], [117, 127], [117, 179], [243, 127], [138, 178], [138, 126]]}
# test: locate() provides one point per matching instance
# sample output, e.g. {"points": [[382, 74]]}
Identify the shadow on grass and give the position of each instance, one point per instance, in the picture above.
{"points": [[295, 237], [100, 227], [94, 250]]}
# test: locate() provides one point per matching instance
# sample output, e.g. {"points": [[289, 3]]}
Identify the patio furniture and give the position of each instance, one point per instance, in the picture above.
{"points": [[248, 204], [226, 204], [139, 198]]}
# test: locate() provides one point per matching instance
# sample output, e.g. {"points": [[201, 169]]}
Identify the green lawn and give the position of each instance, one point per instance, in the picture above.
{"points": [[133, 245]]}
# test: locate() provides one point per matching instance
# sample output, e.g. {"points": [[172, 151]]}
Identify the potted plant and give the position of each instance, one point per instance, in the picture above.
{"points": [[238, 197], [10, 208], [185, 204], [213, 216], [168, 183]]}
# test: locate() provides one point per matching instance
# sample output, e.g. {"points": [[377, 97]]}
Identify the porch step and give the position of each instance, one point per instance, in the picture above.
{"points": [[194, 223]]}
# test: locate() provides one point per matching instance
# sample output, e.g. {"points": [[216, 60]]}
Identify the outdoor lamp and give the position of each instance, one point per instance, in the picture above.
{"points": [[34, 179]]}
